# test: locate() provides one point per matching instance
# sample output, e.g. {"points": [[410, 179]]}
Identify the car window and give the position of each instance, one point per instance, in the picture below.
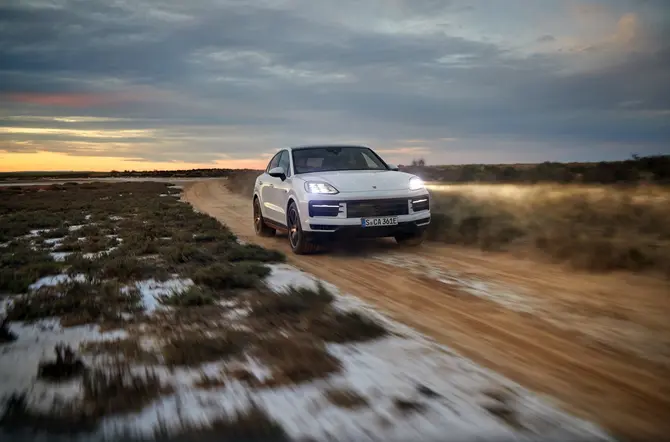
{"points": [[372, 164], [273, 162], [330, 158], [284, 163]]}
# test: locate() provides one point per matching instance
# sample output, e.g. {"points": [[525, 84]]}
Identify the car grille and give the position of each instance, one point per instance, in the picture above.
{"points": [[384, 207]]}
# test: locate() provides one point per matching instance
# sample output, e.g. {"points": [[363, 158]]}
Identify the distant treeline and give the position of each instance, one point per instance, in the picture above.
{"points": [[652, 169]]}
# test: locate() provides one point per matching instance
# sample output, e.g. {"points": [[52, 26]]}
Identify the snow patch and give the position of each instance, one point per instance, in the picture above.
{"points": [[152, 291], [55, 280], [96, 255], [283, 276], [35, 342], [60, 256], [37, 232], [115, 218]]}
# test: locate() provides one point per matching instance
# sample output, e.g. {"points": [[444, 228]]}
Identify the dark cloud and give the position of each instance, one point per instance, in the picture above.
{"points": [[239, 79], [546, 39]]}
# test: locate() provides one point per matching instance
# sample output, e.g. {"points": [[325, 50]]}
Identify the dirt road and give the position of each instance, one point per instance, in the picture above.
{"points": [[599, 344]]}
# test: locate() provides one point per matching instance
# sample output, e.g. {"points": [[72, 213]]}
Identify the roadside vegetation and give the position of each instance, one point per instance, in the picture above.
{"points": [[631, 172], [594, 228], [132, 257]]}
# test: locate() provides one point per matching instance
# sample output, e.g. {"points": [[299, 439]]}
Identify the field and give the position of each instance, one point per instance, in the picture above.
{"points": [[126, 314], [596, 228]]}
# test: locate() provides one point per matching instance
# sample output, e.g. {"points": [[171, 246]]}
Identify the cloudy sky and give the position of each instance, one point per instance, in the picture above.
{"points": [[144, 84]]}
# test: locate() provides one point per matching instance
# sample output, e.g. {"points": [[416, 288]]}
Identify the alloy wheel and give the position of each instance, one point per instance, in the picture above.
{"points": [[258, 218], [293, 227]]}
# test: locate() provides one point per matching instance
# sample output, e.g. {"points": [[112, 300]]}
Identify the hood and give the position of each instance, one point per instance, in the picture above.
{"points": [[362, 180]]}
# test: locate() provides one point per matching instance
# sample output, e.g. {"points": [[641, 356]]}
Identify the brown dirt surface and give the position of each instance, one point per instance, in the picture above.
{"points": [[598, 343]]}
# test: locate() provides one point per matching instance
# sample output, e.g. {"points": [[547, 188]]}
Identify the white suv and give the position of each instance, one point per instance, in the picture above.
{"points": [[318, 193]]}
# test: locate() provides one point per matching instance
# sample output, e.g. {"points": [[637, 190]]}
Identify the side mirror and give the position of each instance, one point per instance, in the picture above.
{"points": [[393, 167], [277, 172]]}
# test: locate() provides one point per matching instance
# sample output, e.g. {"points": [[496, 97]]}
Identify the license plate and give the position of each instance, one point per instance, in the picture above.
{"points": [[376, 222]]}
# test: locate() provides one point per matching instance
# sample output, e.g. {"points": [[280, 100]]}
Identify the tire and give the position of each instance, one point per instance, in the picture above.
{"points": [[260, 227], [296, 237], [410, 239]]}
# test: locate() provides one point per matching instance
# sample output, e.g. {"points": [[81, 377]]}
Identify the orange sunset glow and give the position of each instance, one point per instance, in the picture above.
{"points": [[51, 161]]}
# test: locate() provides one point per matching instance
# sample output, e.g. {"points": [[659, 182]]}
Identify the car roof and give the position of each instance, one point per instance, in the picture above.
{"points": [[313, 146]]}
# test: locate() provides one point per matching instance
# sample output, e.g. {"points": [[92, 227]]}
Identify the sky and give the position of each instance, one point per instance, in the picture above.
{"points": [[148, 84]]}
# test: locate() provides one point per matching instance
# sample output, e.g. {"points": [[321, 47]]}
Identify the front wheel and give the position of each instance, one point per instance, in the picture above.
{"points": [[410, 239], [296, 237], [260, 227]]}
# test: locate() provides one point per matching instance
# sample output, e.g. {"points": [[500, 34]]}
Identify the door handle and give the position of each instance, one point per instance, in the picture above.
{"points": [[260, 182], [271, 185]]}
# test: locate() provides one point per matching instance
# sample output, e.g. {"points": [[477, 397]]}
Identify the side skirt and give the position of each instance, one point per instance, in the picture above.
{"points": [[277, 226]]}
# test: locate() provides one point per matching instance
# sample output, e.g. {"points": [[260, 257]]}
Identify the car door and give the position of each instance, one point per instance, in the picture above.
{"points": [[282, 188], [266, 191]]}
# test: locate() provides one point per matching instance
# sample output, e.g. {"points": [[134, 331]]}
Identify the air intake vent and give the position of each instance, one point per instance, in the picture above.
{"points": [[419, 204], [384, 207], [324, 208]]}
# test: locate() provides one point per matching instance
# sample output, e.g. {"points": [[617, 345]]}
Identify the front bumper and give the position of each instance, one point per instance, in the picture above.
{"points": [[346, 212], [319, 231]]}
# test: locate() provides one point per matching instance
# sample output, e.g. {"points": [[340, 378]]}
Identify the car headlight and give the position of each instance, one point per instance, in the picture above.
{"points": [[319, 187], [416, 183]]}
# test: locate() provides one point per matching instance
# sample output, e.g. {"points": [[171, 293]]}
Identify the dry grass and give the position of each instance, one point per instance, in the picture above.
{"points": [[309, 312], [251, 425], [595, 228], [66, 366], [129, 349], [117, 390], [191, 297], [294, 361], [502, 407], [408, 406], [77, 303], [345, 398], [6, 335], [251, 252], [195, 348], [242, 182], [106, 392], [21, 265], [209, 382], [426, 391], [292, 302], [226, 276], [346, 327]]}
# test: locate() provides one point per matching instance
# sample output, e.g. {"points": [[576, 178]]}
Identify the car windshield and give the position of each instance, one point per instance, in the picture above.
{"points": [[331, 158]]}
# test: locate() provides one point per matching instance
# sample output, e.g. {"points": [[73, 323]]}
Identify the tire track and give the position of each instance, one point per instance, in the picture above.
{"points": [[630, 397]]}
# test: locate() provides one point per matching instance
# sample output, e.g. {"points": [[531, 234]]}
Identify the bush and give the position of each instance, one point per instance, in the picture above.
{"points": [[231, 276], [193, 296], [594, 228]]}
